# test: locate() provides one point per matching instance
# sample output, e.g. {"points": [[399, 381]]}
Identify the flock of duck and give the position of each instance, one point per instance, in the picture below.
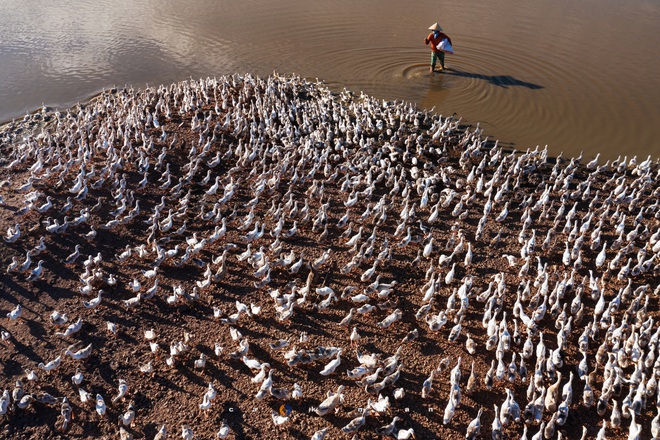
{"points": [[309, 248]]}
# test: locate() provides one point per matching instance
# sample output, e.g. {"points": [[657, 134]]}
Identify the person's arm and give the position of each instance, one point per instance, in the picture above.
{"points": [[427, 39]]}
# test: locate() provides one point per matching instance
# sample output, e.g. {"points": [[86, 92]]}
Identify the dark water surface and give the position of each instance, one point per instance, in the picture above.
{"points": [[575, 75]]}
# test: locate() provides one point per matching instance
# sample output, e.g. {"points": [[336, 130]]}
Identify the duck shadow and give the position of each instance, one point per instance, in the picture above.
{"points": [[235, 418], [504, 81]]}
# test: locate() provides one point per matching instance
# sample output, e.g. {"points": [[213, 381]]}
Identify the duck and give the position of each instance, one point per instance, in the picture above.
{"points": [[357, 423], [93, 303], [71, 259], [51, 365], [496, 431], [13, 233], [66, 413], [100, 405], [388, 430], [15, 313], [551, 396], [83, 353], [332, 400], [382, 405], [474, 428], [332, 365], [187, 432], [36, 273], [128, 418], [122, 389], [4, 403]]}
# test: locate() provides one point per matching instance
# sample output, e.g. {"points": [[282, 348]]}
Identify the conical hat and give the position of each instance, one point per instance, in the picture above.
{"points": [[435, 27]]}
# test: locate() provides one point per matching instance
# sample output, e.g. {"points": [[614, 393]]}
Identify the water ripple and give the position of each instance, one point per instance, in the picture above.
{"points": [[530, 75]]}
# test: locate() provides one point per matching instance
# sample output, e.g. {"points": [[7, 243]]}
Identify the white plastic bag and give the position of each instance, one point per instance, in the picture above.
{"points": [[445, 46]]}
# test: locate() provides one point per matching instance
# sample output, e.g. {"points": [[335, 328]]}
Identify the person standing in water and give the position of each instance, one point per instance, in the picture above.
{"points": [[435, 38]]}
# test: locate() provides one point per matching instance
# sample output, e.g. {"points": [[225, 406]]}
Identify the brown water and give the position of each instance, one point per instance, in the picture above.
{"points": [[575, 75]]}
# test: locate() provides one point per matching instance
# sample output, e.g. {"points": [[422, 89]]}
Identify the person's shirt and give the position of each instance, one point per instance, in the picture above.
{"points": [[435, 40]]}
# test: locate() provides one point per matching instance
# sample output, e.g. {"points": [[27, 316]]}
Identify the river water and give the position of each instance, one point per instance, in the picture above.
{"points": [[573, 75]]}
